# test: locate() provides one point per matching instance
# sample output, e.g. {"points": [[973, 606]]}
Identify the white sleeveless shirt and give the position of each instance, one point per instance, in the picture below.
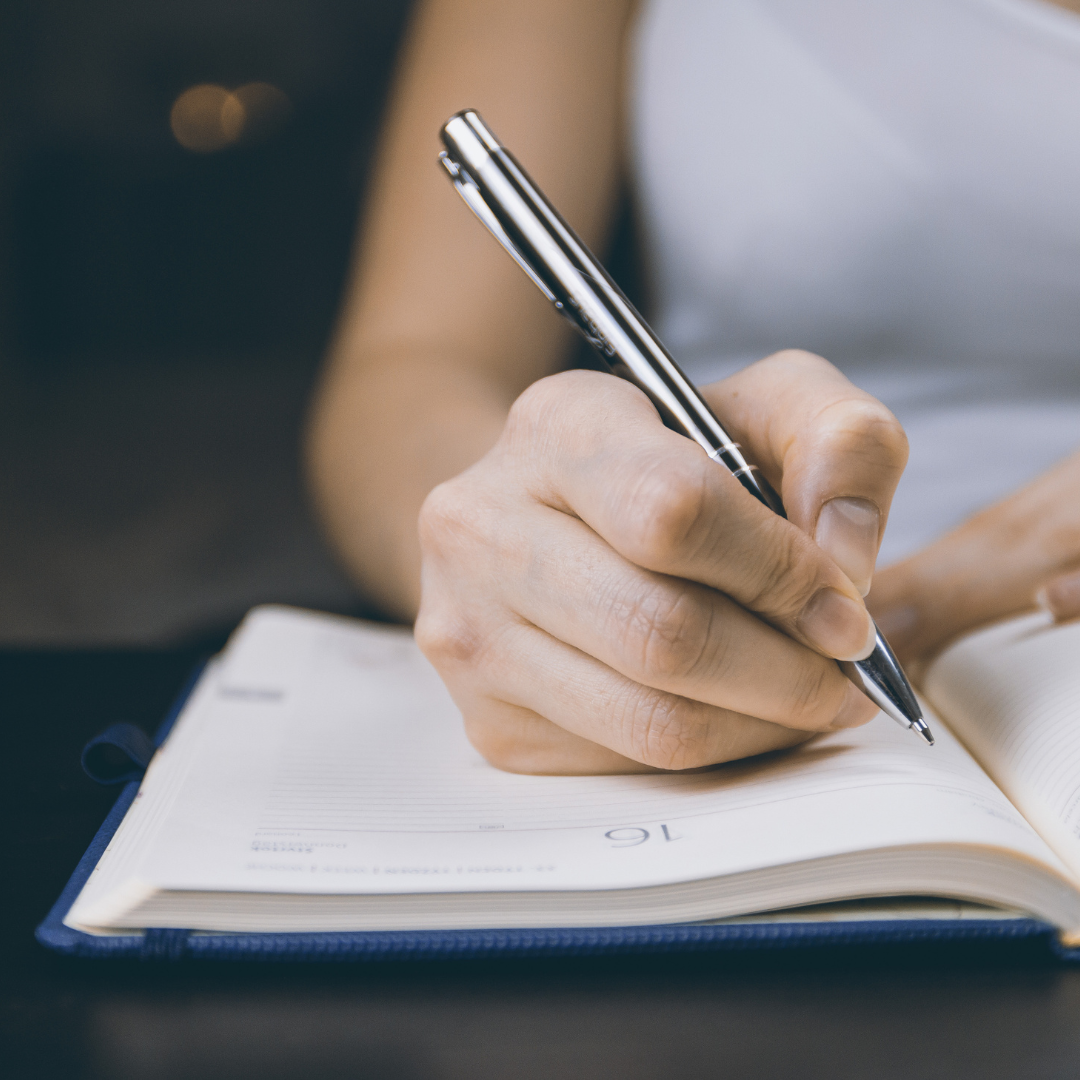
{"points": [[894, 185]]}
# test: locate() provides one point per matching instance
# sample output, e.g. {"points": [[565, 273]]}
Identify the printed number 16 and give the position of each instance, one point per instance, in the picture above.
{"points": [[635, 836]]}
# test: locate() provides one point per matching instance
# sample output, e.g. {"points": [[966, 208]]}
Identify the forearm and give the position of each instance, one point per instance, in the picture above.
{"points": [[382, 435], [439, 331]]}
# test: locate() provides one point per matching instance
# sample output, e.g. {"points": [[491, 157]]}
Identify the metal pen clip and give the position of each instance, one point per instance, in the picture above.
{"points": [[468, 190]]}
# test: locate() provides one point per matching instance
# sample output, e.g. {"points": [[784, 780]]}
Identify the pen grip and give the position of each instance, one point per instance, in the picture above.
{"points": [[749, 476]]}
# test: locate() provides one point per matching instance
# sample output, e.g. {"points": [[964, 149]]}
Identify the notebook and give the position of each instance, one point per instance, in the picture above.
{"points": [[317, 792]]}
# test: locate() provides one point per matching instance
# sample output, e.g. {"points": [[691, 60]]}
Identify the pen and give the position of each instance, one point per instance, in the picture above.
{"points": [[535, 235]]}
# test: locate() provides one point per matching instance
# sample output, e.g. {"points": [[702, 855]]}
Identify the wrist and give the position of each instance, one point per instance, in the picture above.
{"points": [[380, 437]]}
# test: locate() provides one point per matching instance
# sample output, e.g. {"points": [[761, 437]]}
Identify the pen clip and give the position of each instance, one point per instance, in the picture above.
{"points": [[468, 190]]}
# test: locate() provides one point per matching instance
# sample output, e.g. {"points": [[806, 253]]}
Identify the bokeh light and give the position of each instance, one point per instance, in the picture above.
{"points": [[266, 111], [206, 117]]}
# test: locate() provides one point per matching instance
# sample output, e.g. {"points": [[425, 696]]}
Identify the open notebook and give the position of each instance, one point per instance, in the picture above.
{"points": [[318, 779]]}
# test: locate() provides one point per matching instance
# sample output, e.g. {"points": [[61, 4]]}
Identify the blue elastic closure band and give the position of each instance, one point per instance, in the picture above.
{"points": [[118, 755]]}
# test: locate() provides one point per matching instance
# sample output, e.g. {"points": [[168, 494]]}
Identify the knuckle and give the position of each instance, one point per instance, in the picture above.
{"points": [[533, 405], [814, 697], [855, 421], [668, 635], [864, 428], [542, 406], [493, 742], [458, 518], [782, 581], [670, 505], [794, 364], [572, 411], [801, 357], [514, 739], [441, 515], [665, 733], [447, 638]]}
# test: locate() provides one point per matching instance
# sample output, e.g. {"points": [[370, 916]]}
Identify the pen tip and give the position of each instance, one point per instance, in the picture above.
{"points": [[921, 727]]}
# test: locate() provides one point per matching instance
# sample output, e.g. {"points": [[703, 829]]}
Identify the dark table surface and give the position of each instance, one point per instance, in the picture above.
{"points": [[898, 1012]]}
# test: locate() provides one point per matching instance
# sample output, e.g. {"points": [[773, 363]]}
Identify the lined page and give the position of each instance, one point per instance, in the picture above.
{"points": [[1012, 693], [332, 760], [409, 775]]}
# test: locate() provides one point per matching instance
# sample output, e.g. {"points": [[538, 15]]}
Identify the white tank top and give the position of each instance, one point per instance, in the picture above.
{"points": [[894, 185]]}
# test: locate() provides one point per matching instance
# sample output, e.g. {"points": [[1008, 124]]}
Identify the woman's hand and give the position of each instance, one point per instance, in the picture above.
{"points": [[1019, 552], [599, 596]]}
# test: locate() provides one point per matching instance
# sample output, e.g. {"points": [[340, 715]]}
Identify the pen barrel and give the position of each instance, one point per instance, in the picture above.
{"points": [[574, 280]]}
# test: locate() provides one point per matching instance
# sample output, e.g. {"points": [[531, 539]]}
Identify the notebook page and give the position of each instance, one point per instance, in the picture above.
{"points": [[334, 761], [1012, 693]]}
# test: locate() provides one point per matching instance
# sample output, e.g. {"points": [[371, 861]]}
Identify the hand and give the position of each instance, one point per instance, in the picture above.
{"points": [[1020, 552], [599, 596]]}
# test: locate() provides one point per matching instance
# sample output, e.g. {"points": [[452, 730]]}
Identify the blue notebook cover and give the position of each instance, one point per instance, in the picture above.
{"points": [[179, 943]]}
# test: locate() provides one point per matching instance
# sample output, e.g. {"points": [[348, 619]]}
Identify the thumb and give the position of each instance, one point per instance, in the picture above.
{"points": [[834, 452]]}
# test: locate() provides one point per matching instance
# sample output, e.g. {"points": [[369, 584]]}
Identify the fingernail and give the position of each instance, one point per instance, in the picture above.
{"points": [[857, 709], [847, 530], [1061, 597], [837, 625]]}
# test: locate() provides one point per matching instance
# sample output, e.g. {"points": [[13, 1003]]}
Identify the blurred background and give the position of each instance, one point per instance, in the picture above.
{"points": [[179, 187], [179, 182]]}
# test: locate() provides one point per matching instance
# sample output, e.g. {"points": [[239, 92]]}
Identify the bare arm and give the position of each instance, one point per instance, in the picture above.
{"points": [[440, 331]]}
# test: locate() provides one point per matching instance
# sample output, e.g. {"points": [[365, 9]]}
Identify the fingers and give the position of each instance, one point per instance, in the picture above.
{"points": [[659, 501], [836, 453], [519, 740], [669, 634], [991, 567], [600, 596], [574, 659], [1061, 596], [957, 584], [530, 675]]}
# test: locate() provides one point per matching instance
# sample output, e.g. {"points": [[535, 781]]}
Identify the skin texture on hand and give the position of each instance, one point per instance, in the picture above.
{"points": [[600, 596], [1022, 551]]}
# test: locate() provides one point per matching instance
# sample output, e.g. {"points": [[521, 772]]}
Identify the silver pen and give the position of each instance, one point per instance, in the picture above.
{"points": [[533, 232]]}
